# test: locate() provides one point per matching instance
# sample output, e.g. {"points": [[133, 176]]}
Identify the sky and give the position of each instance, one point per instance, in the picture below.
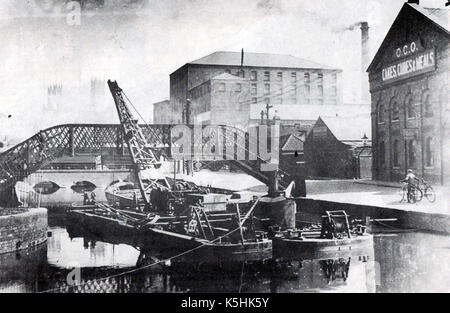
{"points": [[140, 42]]}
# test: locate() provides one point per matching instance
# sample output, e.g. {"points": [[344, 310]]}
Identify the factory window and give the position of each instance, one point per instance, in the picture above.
{"points": [[380, 113], [222, 87], [267, 101], [238, 87], [319, 78], [411, 155], [428, 107], [320, 90], [396, 153], [307, 79], [320, 102], [333, 102], [279, 100], [307, 91], [394, 109], [280, 76], [409, 108], [254, 100], [240, 73], [254, 89], [294, 100], [294, 77], [381, 153], [267, 76], [228, 71], [266, 89], [253, 75], [428, 152]]}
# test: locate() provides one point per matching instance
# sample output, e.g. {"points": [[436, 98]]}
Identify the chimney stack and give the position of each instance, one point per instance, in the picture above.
{"points": [[364, 62]]}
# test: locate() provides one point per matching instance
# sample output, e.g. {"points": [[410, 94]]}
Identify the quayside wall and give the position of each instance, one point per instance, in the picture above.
{"points": [[310, 209], [23, 230]]}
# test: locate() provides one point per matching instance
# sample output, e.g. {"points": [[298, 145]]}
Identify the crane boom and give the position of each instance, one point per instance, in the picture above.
{"points": [[141, 153]]}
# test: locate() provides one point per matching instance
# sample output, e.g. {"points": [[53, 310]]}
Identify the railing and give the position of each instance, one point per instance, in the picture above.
{"points": [[70, 139]]}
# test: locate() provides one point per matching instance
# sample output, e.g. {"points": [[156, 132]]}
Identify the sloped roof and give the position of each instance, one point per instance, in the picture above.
{"points": [[438, 16], [309, 112], [349, 128], [291, 142], [258, 59]]}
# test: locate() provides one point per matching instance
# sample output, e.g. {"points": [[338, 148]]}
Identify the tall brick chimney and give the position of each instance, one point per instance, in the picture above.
{"points": [[364, 62]]}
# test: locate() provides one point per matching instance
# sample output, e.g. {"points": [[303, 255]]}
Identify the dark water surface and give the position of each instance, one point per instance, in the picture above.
{"points": [[398, 262]]}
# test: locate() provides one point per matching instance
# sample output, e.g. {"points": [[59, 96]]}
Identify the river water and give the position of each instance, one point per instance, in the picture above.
{"points": [[399, 261]]}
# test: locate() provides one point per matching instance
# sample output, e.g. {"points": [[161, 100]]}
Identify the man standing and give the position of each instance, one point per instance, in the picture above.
{"points": [[411, 180]]}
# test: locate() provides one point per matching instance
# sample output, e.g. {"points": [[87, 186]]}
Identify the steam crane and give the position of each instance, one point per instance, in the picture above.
{"points": [[142, 156]]}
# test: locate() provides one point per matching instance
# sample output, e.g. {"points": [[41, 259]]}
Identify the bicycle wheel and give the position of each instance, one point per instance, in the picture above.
{"points": [[411, 197], [430, 194], [418, 194]]}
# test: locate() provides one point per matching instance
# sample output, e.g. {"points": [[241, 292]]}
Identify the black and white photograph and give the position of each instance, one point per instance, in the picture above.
{"points": [[223, 152]]}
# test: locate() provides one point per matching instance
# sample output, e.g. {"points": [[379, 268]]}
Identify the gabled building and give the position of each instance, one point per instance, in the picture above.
{"points": [[333, 146], [409, 86]]}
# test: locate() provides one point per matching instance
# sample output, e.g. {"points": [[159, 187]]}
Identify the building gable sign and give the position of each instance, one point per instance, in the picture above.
{"points": [[413, 64]]}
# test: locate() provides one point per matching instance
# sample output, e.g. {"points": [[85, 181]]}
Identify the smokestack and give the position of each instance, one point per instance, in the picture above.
{"points": [[364, 62]]}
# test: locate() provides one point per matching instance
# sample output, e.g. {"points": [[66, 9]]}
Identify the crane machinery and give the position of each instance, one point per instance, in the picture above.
{"points": [[143, 156]]}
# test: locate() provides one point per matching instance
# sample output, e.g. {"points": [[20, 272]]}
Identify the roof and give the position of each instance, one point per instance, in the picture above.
{"points": [[291, 142], [258, 60], [349, 128], [438, 17], [309, 112]]}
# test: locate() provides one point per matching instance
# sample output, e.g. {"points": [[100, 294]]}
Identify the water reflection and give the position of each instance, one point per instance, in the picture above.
{"points": [[403, 262]]}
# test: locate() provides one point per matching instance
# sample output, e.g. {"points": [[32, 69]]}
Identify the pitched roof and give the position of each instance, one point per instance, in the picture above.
{"points": [[438, 16], [258, 59], [291, 142], [349, 128]]}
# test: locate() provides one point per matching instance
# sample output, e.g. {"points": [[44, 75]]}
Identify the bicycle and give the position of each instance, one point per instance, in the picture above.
{"points": [[427, 191], [413, 196]]}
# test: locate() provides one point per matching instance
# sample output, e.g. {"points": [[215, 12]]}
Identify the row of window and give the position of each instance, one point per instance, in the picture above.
{"points": [[279, 91], [292, 90], [291, 100], [410, 153], [280, 76], [409, 109]]}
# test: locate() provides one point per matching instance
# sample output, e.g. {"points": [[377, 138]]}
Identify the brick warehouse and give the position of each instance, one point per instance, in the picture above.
{"points": [[408, 79], [269, 78]]}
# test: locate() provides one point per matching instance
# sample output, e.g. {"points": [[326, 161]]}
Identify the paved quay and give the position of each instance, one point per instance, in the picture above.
{"points": [[373, 193]]}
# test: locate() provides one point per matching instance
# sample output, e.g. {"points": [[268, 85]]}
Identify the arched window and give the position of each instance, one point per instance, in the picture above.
{"points": [[381, 153], [411, 155], [396, 153], [428, 107], [428, 152], [380, 113], [394, 108], [409, 108]]}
